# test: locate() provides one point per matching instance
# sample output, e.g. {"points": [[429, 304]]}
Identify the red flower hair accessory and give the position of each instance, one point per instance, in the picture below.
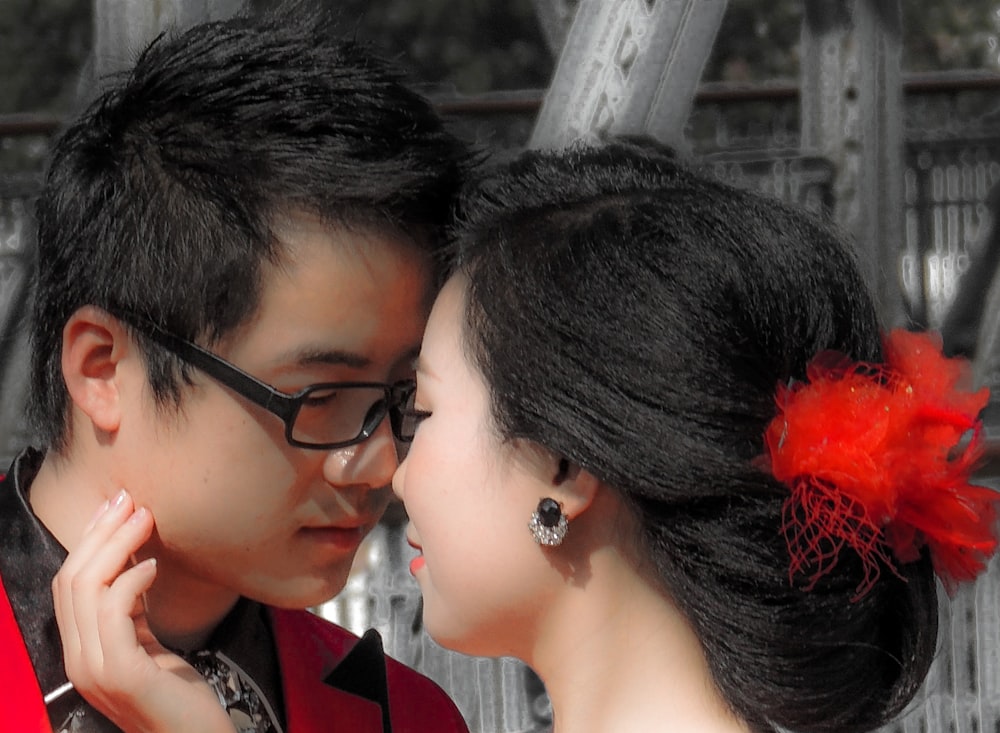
{"points": [[875, 461]]}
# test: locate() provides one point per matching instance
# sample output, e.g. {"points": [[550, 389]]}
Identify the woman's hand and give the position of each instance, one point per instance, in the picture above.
{"points": [[111, 656]]}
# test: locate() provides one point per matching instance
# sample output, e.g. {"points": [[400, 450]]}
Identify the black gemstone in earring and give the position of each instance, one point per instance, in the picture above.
{"points": [[548, 524], [549, 512]]}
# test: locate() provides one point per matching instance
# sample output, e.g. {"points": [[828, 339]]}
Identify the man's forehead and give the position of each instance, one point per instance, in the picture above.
{"points": [[290, 224]]}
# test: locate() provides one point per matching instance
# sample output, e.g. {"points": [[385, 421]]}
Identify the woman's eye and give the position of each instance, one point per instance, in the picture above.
{"points": [[411, 419]]}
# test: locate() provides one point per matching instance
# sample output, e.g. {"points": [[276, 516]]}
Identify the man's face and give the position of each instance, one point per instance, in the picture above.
{"points": [[237, 509]]}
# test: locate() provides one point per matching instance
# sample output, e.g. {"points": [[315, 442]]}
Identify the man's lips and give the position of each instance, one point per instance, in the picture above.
{"points": [[346, 537]]}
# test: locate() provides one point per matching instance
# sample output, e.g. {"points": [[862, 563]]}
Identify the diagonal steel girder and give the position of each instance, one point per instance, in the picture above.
{"points": [[628, 67], [852, 115]]}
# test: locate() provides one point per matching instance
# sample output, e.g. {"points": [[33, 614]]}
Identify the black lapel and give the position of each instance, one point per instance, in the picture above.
{"points": [[362, 672]]}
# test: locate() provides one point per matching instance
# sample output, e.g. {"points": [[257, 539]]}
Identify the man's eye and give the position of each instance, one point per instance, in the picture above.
{"points": [[319, 397]]}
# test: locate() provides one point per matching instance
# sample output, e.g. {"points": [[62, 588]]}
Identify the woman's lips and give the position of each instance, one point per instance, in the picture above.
{"points": [[418, 562]]}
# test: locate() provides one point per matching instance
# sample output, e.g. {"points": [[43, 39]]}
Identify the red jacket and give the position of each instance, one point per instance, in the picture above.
{"points": [[313, 655], [321, 665]]}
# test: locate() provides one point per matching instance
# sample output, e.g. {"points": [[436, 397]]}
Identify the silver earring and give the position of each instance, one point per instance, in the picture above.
{"points": [[548, 524]]}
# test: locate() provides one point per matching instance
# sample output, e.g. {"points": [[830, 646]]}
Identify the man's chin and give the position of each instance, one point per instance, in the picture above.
{"points": [[307, 594]]}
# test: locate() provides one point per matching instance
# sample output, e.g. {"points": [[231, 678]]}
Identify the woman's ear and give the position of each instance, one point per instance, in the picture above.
{"points": [[573, 487], [93, 346], [565, 496]]}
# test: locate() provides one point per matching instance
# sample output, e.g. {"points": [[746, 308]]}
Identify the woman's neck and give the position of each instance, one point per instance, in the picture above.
{"points": [[617, 655]]}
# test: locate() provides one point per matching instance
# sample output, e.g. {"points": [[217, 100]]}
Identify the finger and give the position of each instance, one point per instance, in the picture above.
{"points": [[92, 586], [110, 515], [125, 657], [85, 589], [94, 563], [101, 527], [97, 515], [116, 551]]}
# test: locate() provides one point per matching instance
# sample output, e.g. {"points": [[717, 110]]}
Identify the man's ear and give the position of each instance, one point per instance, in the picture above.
{"points": [[93, 346]]}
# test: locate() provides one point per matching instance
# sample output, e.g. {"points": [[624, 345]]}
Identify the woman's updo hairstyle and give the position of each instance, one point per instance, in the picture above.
{"points": [[636, 316]]}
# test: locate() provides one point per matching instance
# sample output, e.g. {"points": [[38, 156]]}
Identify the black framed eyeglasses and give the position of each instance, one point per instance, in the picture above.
{"points": [[321, 416]]}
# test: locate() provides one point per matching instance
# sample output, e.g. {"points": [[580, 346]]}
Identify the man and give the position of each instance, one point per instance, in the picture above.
{"points": [[235, 262]]}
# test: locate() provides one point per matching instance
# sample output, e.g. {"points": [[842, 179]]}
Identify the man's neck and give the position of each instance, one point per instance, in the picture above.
{"points": [[65, 496], [183, 612]]}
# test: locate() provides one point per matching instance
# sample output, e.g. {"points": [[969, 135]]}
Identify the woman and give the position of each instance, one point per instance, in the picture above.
{"points": [[664, 457], [607, 355]]}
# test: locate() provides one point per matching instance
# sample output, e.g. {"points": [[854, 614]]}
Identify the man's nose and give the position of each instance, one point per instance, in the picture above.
{"points": [[368, 464]]}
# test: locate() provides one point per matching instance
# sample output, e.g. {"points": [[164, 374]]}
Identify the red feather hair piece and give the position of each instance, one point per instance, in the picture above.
{"points": [[878, 460]]}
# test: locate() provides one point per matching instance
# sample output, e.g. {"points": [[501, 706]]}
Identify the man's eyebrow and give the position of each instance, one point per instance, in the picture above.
{"points": [[326, 357], [307, 357]]}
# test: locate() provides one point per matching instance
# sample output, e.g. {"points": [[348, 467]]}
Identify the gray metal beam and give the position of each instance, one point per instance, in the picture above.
{"points": [[16, 246], [122, 28], [628, 67], [554, 18], [852, 115]]}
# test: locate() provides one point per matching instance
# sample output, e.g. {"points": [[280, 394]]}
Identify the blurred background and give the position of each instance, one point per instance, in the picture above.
{"points": [[883, 115]]}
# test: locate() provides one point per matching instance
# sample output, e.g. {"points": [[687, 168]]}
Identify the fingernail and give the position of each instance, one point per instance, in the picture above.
{"points": [[138, 515], [120, 498]]}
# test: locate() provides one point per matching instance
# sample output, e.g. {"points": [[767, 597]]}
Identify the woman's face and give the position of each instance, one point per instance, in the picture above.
{"points": [[469, 499]]}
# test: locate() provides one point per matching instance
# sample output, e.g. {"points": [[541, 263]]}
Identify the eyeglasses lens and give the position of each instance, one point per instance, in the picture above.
{"points": [[339, 414]]}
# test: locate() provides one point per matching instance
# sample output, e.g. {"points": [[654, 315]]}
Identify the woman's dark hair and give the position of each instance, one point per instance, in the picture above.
{"points": [[636, 316]]}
